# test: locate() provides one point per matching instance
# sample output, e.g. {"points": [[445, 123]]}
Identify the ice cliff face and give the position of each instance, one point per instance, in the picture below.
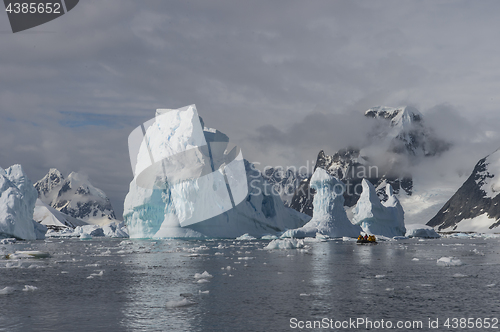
{"points": [[329, 217], [76, 197], [378, 218], [188, 183], [17, 202], [399, 137], [475, 207]]}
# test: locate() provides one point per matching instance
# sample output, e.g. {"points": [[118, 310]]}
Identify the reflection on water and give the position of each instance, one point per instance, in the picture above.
{"points": [[251, 289]]}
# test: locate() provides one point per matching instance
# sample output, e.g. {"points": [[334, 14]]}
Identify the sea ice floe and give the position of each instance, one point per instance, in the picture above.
{"points": [[28, 288], [203, 275], [7, 290], [460, 275], [245, 237], [285, 244], [269, 237], [177, 304], [245, 258], [449, 261], [380, 276], [202, 281]]}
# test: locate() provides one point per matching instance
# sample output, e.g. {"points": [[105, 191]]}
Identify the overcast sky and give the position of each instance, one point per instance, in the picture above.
{"points": [[283, 79]]}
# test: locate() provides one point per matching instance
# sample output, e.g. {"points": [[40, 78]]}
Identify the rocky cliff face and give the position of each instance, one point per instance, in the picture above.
{"points": [[75, 196], [475, 206]]}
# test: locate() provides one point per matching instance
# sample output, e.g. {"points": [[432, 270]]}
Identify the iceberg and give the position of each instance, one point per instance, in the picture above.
{"points": [[17, 203], [423, 231], [329, 217], [189, 183], [374, 217]]}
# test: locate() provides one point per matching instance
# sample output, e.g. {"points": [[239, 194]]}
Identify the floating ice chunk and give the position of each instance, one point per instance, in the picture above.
{"points": [[491, 285], [460, 275], [285, 244], [245, 237], [415, 259], [178, 304], [28, 288], [100, 274], [424, 231], [13, 265], [9, 240], [269, 237], [477, 252], [380, 276], [203, 292], [305, 294], [34, 253], [203, 275], [246, 258], [202, 281], [449, 261], [7, 290]]}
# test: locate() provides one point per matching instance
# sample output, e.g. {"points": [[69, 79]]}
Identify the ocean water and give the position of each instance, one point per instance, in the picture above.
{"points": [[146, 285]]}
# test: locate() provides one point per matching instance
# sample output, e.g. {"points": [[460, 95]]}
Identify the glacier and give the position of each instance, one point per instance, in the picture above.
{"points": [[329, 217], [374, 217], [17, 203], [189, 183]]}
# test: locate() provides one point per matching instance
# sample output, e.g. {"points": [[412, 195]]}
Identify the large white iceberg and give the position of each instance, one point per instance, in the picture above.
{"points": [[374, 217], [329, 217], [17, 202], [188, 183]]}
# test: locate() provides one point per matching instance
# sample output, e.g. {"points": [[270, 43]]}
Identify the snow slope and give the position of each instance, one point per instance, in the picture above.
{"points": [[475, 206], [75, 196], [48, 216]]}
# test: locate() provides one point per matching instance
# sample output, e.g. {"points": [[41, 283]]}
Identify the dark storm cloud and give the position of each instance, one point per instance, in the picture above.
{"points": [[72, 90]]}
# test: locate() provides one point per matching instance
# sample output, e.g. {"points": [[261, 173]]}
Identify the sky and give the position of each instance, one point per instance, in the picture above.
{"points": [[283, 79]]}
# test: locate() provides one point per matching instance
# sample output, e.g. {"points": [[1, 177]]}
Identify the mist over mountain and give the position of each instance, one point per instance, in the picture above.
{"points": [[398, 137]]}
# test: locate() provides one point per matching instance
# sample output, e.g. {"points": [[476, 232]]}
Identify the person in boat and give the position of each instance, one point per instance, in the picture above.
{"points": [[360, 237], [366, 237]]}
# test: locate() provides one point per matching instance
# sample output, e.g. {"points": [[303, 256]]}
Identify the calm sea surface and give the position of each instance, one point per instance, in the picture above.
{"points": [[139, 285]]}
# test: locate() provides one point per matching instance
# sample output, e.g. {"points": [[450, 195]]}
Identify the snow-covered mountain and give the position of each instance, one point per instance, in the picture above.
{"points": [[407, 133], [475, 207], [54, 219], [76, 197], [399, 137]]}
